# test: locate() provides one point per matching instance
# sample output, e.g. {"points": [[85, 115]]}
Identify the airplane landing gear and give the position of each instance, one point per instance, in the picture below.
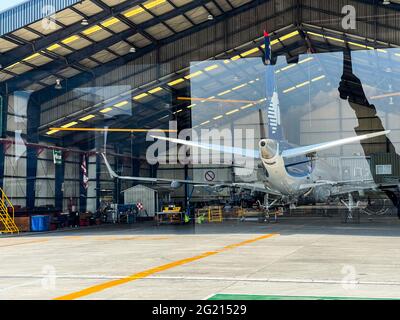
{"points": [[267, 206]]}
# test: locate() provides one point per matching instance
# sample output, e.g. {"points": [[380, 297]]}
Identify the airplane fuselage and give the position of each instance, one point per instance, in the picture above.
{"points": [[294, 184]]}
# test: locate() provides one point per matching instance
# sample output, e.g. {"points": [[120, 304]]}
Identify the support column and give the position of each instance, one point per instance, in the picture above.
{"points": [[3, 130], [118, 166], [33, 122], [98, 170], [82, 190], [59, 181]]}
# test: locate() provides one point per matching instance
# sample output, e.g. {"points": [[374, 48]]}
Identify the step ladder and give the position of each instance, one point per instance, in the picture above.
{"points": [[7, 222]]}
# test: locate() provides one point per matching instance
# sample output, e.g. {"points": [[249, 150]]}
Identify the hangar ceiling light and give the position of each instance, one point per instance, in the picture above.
{"points": [[121, 104], [71, 124], [155, 90], [91, 116], [175, 82], [106, 110]]}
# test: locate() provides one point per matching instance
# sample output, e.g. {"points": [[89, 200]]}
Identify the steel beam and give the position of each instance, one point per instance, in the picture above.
{"points": [[80, 79], [33, 113], [51, 68], [21, 52]]}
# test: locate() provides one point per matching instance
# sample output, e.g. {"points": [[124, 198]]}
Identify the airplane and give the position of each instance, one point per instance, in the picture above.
{"points": [[289, 170]]}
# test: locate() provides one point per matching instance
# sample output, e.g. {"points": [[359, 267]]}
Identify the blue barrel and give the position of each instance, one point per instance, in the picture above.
{"points": [[40, 223]]}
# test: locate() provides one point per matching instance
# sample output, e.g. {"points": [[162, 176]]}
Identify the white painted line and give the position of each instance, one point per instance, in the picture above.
{"points": [[191, 278]]}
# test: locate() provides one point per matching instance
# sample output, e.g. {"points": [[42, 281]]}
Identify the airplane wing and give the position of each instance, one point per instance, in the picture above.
{"points": [[113, 174], [249, 153], [344, 187], [290, 153], [217, 184]]}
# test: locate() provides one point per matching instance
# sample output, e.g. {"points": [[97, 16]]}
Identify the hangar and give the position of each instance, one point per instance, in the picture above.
{"points": [[94, 92]]}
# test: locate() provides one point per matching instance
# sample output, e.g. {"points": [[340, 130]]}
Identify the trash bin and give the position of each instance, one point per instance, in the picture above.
{"points": [[40, 223]]}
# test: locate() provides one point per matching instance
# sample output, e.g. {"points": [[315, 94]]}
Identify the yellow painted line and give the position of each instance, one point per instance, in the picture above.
{"points": [[26, 242], [149, 272]]}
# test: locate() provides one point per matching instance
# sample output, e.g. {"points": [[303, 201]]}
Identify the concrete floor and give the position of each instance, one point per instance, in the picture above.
{"points": [[304, 257]]}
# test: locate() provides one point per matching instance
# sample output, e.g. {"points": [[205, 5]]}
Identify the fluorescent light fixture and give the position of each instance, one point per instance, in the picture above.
{"points": [[92, 30], [133, 12], [289, 89], [205, 122], [106, 110], [68, 125], [52, 132], [194, 74], [53, 47], [249, 52], [110, 22], [218, 117], [303, 84], [214, 66], [288, 67], [235, 58], [289, 35], [247, 106], [223, 93], [239, 86], [140, 96], [33, 56], [191, 106], [70, 39], [155, 90], [91, 116], [175, 82], [232, 112], [306, 60], [121, 104], [318, 78], [152, 4]]}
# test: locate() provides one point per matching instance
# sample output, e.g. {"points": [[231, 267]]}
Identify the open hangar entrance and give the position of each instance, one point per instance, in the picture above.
{"points": [[91, 77]]}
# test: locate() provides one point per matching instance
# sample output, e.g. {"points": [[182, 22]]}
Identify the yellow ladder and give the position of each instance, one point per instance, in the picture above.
{"points": [[6, 219]]}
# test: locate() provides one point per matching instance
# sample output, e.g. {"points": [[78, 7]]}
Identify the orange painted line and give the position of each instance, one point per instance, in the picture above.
{"points": [[215, 100], [149, 272], [112, 130]]}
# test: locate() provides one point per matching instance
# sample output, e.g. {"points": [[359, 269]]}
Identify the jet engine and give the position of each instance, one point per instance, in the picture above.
{"points": [[321, 194]]}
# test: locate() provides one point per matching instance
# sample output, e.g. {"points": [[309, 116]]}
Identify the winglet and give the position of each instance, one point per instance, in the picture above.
{"points": [[110, 170]]}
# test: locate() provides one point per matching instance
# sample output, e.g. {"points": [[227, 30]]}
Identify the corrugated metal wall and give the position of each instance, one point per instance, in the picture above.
{"points": [[29, 12]]}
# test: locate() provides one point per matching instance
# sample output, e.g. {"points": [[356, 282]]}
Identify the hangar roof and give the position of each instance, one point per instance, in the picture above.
{"points": [[74, 40]]}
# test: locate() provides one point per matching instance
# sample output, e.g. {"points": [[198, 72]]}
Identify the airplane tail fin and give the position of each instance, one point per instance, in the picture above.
{"points": [[275, 130], [272, 98]]}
